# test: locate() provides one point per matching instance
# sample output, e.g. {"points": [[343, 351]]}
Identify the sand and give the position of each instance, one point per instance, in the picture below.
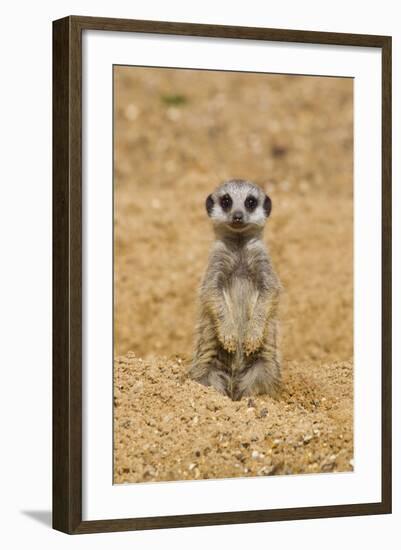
{"points": [[177, 135], [178, 429]]}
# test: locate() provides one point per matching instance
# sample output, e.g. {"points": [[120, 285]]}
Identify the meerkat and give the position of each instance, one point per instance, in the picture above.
{"points": [[236, 348]]}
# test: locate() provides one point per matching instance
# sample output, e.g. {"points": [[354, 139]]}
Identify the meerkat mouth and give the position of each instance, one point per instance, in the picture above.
{"points": [[238, 226]]}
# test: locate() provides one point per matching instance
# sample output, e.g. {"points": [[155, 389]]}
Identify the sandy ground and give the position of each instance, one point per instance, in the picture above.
{"points": [[177, 135], [181, 430]]}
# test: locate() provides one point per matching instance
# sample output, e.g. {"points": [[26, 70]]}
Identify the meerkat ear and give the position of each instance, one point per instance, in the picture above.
{"points": [[267, 206], [209, 204]]}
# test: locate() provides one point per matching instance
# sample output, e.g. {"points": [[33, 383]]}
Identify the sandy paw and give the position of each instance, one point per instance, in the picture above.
{"points": [[252, 344], [228, 342]]}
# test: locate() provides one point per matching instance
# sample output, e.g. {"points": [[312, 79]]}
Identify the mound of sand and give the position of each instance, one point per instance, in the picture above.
{"points": [[167, 427]]}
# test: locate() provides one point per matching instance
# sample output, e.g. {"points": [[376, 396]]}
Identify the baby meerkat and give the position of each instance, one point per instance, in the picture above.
{"points": [[236, 339]]}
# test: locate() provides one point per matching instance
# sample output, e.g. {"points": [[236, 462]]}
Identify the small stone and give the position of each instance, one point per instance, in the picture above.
{"points": [[251, 403], [264, 412], [307, 438], [239, 456], [267, 470], [327, 466], [256, 455], [191, 466]]}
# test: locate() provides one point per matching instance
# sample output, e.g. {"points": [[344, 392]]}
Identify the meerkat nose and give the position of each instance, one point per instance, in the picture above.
{"points": [[238, 216]]}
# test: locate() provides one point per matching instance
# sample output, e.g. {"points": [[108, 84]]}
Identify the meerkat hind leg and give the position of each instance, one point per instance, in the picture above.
{"points": [[217, 379], [208, 367], [262, 377], [211, 374]]}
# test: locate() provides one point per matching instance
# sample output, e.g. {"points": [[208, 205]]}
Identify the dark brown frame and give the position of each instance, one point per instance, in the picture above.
{"points": [[67, 276]]}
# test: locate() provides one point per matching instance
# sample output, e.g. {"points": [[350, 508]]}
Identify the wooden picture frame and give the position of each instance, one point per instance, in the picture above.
{"points": [[67, 274]]}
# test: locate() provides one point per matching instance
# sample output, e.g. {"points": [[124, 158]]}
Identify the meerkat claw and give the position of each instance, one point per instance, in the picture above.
{"points": [[228, 343], [251, 345]]}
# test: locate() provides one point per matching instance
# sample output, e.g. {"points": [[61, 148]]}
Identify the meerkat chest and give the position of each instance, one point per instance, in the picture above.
{"points": [[240, 293], [241, 269], [241, 283], [243, 265]]}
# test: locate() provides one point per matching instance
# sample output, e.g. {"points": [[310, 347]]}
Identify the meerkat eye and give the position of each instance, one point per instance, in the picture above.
{"points": [[251, 203], [226, 202]]}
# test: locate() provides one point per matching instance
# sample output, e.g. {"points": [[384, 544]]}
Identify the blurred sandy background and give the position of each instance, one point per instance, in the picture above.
{"points": [[178, 134]]}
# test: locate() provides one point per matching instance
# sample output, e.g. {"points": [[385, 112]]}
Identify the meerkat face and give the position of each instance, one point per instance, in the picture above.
{"points": [[239, 206]]}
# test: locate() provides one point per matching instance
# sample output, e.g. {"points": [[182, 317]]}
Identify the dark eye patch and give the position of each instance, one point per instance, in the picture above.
{"points": [[267, 206], [209, 204], [226, 202], [251, 203]]}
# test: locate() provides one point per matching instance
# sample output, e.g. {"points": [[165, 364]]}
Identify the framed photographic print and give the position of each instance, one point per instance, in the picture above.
{"points": [[221, 274]]}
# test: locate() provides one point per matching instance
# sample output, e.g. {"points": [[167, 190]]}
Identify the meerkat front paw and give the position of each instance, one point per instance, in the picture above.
{"points": [[253, 341], [227, 339]]}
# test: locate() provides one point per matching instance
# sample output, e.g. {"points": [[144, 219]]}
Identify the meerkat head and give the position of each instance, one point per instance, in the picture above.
{"points": [[238, 206]]}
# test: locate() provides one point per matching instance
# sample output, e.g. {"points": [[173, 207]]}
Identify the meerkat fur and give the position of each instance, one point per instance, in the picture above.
{"points": [[236, 348]]}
